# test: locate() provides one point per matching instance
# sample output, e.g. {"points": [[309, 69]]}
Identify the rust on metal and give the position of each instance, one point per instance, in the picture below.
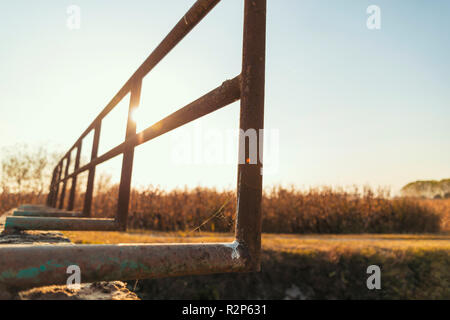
{"points": [[43, 211], [56, 223], [26, 266], [220, 97], [52, 188], [74, 179], [66, 173], [195, 14], [47, 213], [32, 207], [249, 186], [56, 187], [91, 176], [127, 161]]}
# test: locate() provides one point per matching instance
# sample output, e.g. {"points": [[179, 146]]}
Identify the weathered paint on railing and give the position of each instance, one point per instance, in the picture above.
{"points": [[24, 266]]}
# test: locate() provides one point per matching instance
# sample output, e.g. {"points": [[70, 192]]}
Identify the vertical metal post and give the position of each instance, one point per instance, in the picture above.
{"points": [[51, 189], [127, 161], [55, 197], [249, 193], [91, 177], [74, 179], [63, 191]]}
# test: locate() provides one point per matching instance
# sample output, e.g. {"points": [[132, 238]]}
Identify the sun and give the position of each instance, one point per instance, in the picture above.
{"points": [[134, 114]]}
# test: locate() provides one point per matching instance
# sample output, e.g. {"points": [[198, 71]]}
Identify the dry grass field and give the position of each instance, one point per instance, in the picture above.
{"points": [[306, 267], [279, 242], [443, 207], [285, 210], [317, 244]]}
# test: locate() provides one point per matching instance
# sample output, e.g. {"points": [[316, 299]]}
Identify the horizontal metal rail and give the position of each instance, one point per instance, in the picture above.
{"points": [[24, 266], [55, 223], [47, 213], [220, 97], [216, 99], [195, 14]]}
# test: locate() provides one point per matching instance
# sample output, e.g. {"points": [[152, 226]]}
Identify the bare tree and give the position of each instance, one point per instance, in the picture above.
{"points": [[26, 170]]}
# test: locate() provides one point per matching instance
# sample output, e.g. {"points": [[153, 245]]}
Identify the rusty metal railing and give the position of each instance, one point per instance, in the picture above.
{"points": [[22, 266]]}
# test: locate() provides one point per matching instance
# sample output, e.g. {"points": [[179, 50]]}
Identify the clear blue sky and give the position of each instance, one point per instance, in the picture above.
{"points": [[351, 105]]}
